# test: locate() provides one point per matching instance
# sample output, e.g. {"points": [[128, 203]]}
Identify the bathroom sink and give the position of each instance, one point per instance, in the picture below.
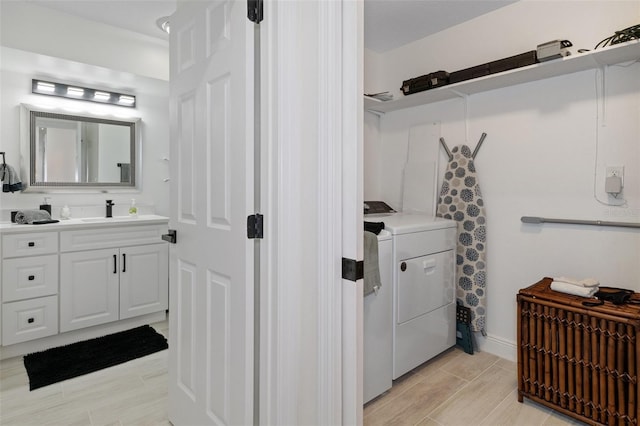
{"points": [[93, 219], [104, 219]]}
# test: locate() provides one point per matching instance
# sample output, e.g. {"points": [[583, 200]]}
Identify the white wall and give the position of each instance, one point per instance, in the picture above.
{"points": [[26, 26], [18, 67], [546, 146]]}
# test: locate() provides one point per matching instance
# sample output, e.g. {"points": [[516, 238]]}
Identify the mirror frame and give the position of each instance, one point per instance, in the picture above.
{"points": [[29, 114]]}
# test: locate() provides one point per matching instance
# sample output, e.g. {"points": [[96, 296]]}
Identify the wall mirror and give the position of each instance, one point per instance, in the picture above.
{"points": [[80, 151]]}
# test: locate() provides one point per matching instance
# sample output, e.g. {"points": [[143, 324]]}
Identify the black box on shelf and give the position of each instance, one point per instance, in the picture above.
{"points": [[512, 62], [425, 82]]}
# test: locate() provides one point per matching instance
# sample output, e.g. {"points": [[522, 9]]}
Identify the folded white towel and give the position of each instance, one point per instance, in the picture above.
{"points": [[575, 290], [30, 216], [587, 282]]}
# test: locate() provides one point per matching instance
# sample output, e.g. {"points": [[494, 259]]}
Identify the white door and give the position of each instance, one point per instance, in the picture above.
{"points": [[212, 265], [144, 277], [89, 282]]}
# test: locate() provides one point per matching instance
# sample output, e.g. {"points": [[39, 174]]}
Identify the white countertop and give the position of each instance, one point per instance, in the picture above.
{"points": [[84, 223]]}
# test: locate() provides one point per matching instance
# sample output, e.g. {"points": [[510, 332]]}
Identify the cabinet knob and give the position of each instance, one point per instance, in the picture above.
{"points": [[30, 320], [31, 244], [403, 266], [31, 277]]}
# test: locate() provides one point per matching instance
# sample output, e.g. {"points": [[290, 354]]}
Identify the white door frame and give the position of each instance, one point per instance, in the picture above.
{"points": [[311, 319]]}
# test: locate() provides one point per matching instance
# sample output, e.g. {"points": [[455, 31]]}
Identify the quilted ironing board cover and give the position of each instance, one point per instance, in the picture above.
{"points": [[461, 200]]}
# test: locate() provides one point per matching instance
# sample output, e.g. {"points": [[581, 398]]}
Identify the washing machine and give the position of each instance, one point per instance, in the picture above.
{"points": [[423, 299], [377, 326]]}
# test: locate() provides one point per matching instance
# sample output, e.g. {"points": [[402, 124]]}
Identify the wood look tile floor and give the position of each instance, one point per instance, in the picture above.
{"points": [[133, 393], [452, 389], [457, 389]]}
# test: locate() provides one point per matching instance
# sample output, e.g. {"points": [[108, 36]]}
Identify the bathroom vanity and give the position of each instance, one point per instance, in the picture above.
{"points": [[80, 278]]}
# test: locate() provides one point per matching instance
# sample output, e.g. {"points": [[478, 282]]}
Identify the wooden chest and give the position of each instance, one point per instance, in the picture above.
{"points": [[581, 361]]}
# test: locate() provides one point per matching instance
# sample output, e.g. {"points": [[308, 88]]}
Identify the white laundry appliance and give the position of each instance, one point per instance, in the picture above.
{"points": [[416, 319], [424, 306], [378, 329]]}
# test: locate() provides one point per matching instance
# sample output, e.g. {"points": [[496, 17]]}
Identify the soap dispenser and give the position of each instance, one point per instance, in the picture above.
{"points": [[133, 210], [65, 213], [46, 206]]}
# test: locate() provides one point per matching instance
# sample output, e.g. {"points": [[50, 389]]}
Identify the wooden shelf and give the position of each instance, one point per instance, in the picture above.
{"points": [[580, 62]]}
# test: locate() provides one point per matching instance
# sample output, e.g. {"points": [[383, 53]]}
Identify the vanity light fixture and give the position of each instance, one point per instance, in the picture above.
{"points": [[82, 93], [45, 87], [126, 100], [101, 96], [75, 91]]}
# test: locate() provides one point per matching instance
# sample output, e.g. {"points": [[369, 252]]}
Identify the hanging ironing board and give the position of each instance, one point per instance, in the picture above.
{"points": [[461, 200]]}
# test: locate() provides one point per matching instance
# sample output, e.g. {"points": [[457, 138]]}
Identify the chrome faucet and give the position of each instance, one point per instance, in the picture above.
{"points": [[109, 208]]}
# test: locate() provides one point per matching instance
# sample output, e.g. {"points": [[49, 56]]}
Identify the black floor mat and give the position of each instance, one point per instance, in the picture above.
{"points": [[65, 362]]}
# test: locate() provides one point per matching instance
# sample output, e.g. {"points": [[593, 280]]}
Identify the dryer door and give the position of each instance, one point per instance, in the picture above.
{"points": [[424, 284]]}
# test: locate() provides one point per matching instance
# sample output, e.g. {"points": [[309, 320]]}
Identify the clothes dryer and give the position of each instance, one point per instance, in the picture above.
{"points": [[424, 306]]}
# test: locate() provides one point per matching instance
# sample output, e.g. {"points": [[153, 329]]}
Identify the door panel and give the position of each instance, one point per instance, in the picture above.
{"points": [[211, 266]]}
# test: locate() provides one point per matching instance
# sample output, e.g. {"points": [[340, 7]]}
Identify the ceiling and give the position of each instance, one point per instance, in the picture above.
{"points": [[135, 15], [388, 23], [393, 23]]}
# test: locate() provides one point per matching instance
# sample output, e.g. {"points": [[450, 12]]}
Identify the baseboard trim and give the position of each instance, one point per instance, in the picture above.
{"points": [[497, 346]]}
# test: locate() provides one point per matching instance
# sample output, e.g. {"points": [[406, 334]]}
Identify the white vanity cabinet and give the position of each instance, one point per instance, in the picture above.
{"points": [[29, 286], [81, 278], [110, 274]]}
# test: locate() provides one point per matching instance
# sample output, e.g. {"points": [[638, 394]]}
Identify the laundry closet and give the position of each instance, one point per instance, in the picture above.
{"points": [[552, 128]]}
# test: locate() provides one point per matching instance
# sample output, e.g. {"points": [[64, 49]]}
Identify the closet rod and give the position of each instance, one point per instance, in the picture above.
{"points": [[533, 219]]}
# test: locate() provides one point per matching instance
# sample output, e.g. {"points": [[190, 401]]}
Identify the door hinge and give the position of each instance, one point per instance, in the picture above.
{"points": [[255, 226], [352, 270], [254, 10]]}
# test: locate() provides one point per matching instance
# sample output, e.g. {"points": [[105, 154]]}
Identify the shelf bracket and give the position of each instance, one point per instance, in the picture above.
{"points": [[378, 113], [465, 97]]}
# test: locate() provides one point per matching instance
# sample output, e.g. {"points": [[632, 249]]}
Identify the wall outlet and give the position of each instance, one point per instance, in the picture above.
{"points": [[615, 171], [614, 180]]}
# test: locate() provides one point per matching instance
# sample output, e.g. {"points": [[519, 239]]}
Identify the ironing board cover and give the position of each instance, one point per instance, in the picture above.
{"points": [[461, 200]]}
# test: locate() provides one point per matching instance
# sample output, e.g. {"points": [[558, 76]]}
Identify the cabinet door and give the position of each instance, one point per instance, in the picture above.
{"points": [[144, 280], [88, 288]]}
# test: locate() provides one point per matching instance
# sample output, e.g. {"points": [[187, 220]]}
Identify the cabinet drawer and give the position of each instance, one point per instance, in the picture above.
{"points": [[88, 239], [29, 319], [29, 277], [29, 244]]}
